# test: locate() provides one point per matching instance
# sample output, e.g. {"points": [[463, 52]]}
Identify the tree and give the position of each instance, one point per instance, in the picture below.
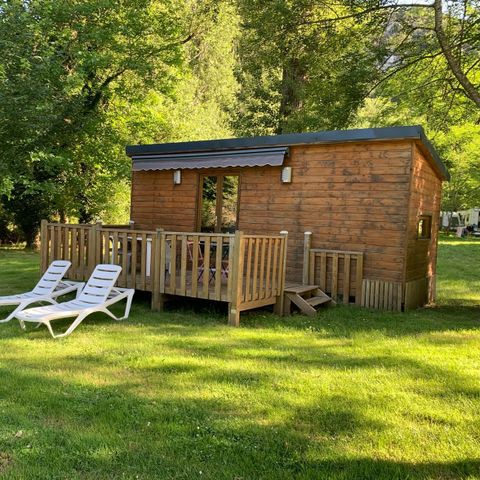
{"points": [[418, 33], [461, 149], [297, 73], [66, 65]]}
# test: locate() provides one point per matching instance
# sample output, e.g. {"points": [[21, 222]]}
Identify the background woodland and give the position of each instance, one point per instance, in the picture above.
{"points": [[80, 79]]}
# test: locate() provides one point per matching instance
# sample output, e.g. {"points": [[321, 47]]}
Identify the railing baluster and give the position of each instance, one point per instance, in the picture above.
{"points": [[115, 248], [255, 269], [261, 291], [183, 266], [346, 278], [195, 250], [248, 297], [74, 248], [163, 262], [276, 248], [334, 275], [231, 241], [66, 244], [81, 253], [173, 263], [323, 271], [143, 261], [51, 231], [133, 262], [124, 244], [58, 252], [218, 268], [206, 268], [268, 280]]}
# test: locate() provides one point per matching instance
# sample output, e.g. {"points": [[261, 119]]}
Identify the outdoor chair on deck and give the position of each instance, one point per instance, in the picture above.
{"points": [[98, 294], [48, 289]]}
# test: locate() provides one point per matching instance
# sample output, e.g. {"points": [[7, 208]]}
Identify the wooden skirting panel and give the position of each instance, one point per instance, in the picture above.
{"points": [[382, 295], [416, 293]]}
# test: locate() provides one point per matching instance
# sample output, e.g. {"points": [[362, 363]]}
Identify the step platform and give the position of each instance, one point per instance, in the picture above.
{"points": [[305, 297]]}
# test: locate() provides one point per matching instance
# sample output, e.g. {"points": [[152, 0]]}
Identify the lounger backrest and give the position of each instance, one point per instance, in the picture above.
{"points": [[52, 277], [100, 284]]}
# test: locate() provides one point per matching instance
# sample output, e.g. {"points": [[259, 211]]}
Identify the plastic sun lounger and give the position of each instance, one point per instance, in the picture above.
{"points": [[48, 289], [98, 294]]}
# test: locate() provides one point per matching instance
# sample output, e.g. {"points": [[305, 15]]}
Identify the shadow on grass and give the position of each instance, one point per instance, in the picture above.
{"points": [[75, 430]]}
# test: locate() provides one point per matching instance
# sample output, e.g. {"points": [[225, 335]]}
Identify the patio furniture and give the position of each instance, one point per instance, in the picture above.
{"points": [[48, 289], [98, 294]]}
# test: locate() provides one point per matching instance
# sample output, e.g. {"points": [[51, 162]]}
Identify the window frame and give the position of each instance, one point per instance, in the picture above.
{"points": [[219, 194], [429, 225]]}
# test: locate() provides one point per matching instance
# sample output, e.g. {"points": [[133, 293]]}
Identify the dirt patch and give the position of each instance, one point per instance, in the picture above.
{"points": [[5, 461]]}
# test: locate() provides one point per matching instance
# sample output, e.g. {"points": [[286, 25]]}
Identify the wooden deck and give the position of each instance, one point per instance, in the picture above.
{"points": [[247, 271]]}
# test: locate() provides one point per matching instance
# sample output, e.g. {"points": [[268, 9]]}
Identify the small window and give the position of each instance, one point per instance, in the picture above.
{"points": [[424, 227]]}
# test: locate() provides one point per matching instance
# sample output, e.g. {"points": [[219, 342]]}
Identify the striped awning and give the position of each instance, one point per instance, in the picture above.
{"points": [[253, 157]]}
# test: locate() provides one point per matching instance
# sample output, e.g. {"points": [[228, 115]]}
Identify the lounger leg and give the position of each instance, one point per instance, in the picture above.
{"points": [[47, 324], [18, 309], [22, 323], [71, 328], [127, 309]]}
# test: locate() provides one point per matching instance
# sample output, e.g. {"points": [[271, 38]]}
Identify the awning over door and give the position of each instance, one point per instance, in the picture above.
{"points": [[254, 157]]}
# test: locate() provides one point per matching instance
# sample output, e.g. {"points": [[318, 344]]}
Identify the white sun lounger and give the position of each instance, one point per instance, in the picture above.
{"points": [[99, 294], [48, 289]]}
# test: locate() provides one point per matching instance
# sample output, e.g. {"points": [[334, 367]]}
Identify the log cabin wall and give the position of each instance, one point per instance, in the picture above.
{"points": [[421, 259], [352, 196]]}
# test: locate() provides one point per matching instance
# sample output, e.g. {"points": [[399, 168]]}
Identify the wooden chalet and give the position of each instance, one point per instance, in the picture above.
{"points": [[276, 219]]}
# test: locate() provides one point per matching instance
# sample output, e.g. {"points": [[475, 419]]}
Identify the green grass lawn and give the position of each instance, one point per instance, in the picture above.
{"points": [[349, 394]]}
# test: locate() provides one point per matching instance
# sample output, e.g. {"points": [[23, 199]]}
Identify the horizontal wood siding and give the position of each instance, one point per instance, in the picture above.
{"points": [[352, 196], [157, 202], [425, 199]]}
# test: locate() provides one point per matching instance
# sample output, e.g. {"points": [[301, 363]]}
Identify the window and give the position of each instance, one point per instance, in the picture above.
{"points": [[218, 210], [424, 227]]}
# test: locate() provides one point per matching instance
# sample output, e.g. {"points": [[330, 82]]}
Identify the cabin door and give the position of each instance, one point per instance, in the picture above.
{"points": [[218, 203]]}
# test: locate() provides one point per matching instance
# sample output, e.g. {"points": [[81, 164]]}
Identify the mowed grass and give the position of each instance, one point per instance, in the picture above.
{"points": [[349, 394]]}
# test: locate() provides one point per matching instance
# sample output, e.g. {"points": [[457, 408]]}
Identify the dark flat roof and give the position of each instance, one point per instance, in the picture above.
{"points": [[290, 139]]}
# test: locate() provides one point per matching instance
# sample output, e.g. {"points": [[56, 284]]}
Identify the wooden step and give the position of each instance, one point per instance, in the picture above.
{"points": [[301, 303], [315, 301], [300, 289], [305, 297]]}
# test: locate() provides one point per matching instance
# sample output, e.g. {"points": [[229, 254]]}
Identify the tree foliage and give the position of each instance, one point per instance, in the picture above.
{"points": [[297, 73], [81, 79], [73, 81]]}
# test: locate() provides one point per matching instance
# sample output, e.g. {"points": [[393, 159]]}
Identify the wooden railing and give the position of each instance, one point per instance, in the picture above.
{"points": [[259, 263], [68, 242], [194, 264], [131, 249], [85, 246], [338, 273], [248, 271]]}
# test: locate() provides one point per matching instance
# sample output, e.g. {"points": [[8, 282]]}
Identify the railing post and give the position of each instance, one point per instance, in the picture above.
{"points": [[279, 305], [44, 245], [131, 224], [92, 240], [237, 280], [307, 244], [158, 297]]}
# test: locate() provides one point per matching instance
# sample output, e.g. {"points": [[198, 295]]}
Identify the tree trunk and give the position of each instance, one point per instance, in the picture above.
{"points": [[452, 61], [293, 78]]}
